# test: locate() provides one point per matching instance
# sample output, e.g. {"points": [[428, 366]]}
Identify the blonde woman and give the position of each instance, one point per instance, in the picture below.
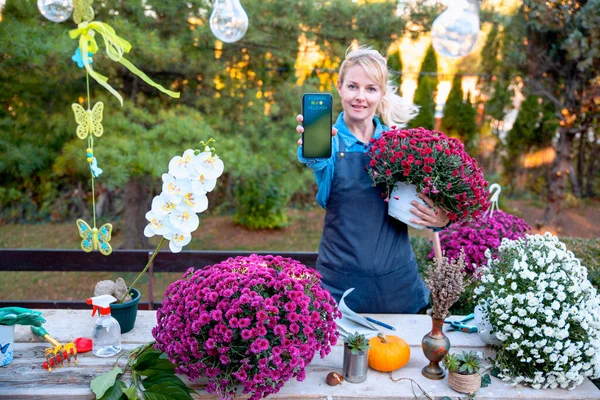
{"points": [[361, 247]]}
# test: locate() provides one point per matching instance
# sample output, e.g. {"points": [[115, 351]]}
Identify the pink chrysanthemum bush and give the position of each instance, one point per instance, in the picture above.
{"points": [[436, 164], [476, 236], [254, 321]]}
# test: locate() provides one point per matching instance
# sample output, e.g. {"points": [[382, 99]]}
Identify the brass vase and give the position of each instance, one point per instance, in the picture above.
{"points": [[435, 346]]}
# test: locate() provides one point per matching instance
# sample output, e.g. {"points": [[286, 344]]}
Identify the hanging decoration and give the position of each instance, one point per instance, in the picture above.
{"points": [[228, 21], [454, 32], [115, 47], [89, 121], [56, 10]]}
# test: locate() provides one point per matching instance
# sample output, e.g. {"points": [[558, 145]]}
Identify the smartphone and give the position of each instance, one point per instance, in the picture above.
{"points": [[317, 123]]}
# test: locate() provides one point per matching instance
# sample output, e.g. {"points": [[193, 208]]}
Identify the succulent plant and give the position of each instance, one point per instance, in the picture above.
{"points": [[467, 363], [356, 342]]}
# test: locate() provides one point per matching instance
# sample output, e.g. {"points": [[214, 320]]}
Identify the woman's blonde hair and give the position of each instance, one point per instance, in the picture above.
{"points": [[393, 109]]}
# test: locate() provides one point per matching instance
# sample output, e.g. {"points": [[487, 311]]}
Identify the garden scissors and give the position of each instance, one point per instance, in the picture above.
{"points": [[460, 325]]}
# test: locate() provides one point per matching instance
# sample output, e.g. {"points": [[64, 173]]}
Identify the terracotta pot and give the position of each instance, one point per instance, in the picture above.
{"points": [[467, 384], [435, 346]]}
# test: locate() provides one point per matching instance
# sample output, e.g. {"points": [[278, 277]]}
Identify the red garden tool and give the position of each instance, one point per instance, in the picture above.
{"points": [[56, 356], [83, 345]]}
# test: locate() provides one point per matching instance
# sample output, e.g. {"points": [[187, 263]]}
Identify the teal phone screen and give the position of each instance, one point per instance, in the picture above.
{"points": [[316, 139]]}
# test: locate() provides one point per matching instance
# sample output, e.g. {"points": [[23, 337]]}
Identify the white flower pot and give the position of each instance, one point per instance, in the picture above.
{"points": [[399, 205], [485, 328], [7, 344]]}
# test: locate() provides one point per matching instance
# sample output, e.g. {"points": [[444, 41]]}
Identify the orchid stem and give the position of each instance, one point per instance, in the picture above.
{"points": [[145, 269]]}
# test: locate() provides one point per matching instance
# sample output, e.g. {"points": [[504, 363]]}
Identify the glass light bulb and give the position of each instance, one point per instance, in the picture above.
{"points": [[228, 21], [454, 32], [56, 10]]}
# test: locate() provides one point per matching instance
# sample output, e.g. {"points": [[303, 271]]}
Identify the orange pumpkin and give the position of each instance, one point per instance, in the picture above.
{"points": [[388, 353]]}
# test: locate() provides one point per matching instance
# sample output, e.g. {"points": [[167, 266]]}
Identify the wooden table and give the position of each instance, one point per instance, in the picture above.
{"points": [[25, 378]]}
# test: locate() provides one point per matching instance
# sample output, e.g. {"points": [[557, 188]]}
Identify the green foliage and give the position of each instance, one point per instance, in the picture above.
{"points": [[394, 63], [425, 93], [459, 116], [356, 343], [499, 101], [260, 203], [588, 252], [244, 95], [152, 374], [533, 129], [467, 363]]}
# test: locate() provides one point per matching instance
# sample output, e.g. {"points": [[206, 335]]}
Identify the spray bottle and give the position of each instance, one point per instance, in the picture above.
{"points": [[106, 336]]}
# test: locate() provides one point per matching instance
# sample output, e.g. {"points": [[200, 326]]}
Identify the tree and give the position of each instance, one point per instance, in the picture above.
{"points": [[425, 93], [558, 56], [244, 94], [459, 116], [394, 63]]}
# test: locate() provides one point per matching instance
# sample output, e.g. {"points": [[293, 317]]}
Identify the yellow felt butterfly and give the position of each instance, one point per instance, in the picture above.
{"points": [[88, 121], [83, 11], [94, 238]]}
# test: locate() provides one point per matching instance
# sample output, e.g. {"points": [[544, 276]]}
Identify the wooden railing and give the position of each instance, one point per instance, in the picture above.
{"points": [[119, 261]]}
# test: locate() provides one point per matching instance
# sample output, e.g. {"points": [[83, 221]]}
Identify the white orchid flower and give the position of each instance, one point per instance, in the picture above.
{"points": [[162, 205], [175, 188], [159, 224], [197, 200], [184, 219], [200, 183], [177, 240], [209, 165], [180, 167]]}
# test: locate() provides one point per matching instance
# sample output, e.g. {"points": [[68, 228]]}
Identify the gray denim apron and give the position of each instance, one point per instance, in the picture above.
{"points": [[363, 248]]}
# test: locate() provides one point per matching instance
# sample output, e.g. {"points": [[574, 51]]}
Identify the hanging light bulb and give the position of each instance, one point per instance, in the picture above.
{"points": [[56, 10], [454, 32], [228, 21]]}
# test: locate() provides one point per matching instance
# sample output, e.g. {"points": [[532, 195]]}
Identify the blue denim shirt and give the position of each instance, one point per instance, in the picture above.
{"points": [[324, 167]]}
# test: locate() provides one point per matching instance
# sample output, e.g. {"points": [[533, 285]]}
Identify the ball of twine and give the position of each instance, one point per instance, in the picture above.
{"points": [[464, 383]]}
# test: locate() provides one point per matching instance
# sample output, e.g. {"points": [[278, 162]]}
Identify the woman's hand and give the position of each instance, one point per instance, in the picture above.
{"points": [[429, 215], [300, 129]]}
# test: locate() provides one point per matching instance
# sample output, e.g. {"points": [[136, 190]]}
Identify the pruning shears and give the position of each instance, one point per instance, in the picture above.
{"points": [[460, 325]]}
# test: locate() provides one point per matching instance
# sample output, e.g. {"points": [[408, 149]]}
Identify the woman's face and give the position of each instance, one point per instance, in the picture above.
{"points": [[360, 94]]}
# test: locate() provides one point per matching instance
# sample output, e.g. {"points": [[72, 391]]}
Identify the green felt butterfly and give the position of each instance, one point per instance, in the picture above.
{"points": [[94, 238], [89, 121], [83, 11]]}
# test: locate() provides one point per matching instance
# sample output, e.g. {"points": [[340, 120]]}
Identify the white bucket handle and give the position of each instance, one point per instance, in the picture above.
{"points": [[495, 190]]}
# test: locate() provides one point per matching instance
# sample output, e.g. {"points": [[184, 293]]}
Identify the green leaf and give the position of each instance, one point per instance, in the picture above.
{"points": [[164, 377], [166, 391], [131, 393], [495, 372], [160, 365], [102, 383], [446, 398], [115, 392], [145, 359], [486, 380]]}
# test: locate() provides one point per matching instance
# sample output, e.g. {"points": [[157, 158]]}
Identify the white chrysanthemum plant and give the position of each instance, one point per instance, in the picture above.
{"points": [[544, 312], [173, 214]]}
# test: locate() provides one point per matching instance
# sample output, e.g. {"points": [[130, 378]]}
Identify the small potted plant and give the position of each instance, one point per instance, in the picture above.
{"points": [[464, 371], [410, 161], [356, 358]]}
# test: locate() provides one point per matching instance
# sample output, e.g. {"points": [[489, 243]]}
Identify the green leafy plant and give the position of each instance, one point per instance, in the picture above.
{"points": [[152, 375], [356, 342], [467, 363]]}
